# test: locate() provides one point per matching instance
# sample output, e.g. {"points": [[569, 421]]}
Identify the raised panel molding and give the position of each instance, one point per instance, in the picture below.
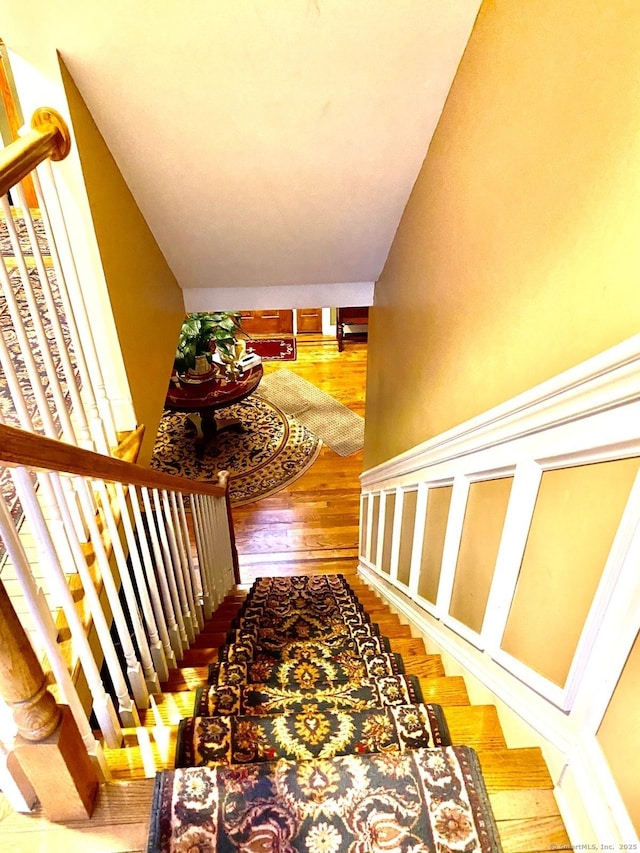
{"points": [[588, 414]]}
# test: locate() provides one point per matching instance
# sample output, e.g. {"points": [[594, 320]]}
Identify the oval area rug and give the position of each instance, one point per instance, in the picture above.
{"points": [[271, 452]]}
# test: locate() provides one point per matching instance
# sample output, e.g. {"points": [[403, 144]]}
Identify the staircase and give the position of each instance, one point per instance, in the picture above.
{"points": [[517, 780]]}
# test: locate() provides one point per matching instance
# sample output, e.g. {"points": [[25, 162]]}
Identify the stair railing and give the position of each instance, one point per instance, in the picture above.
{"points": [[157, 567], [52, 381]]}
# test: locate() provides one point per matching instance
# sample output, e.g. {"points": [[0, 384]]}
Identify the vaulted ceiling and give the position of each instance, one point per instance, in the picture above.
{"points": [[268, 143]]}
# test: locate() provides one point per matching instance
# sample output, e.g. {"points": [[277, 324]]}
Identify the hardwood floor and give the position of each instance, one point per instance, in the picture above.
{"points": [[317, 517]]}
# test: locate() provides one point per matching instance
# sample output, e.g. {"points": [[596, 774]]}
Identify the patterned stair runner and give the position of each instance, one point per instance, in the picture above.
{"points": [[310, 736]]}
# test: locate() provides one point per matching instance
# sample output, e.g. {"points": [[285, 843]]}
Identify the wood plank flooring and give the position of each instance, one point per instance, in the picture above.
{"points": [[317, 517]]}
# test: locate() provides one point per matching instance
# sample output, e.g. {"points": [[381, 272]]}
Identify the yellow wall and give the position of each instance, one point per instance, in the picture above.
{"points": [[518, 254], [147, 302]]}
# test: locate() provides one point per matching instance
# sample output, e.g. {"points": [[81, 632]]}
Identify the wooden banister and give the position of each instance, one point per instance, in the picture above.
{"points": [[48, 745], [18, 447], [49, 138]]}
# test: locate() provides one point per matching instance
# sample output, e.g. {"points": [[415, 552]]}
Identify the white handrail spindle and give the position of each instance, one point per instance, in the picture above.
{"points": [[194, 574], [207, 543], [155, 644], [226, 554], [202, 558], [96, 426], [126, 709], [167, 598], [213, 544], [150, 675], [134, 672], [170, 567], [152, 584], [182, 551], [76, 296], [53, 309], [177, 566], [50, 371]]}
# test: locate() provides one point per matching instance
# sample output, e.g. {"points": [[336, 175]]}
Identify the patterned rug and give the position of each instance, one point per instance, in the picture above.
{"points": [[339, 428], [273, 349], [305, 746], [420, 801], [209, 741], [270, 453]]}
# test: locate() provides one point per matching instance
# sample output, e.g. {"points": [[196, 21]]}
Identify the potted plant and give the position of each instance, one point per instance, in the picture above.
{"points": [[201, 335]]}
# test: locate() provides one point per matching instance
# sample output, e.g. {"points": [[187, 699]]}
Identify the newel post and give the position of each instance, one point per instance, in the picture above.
{"points": [[48, 746]]}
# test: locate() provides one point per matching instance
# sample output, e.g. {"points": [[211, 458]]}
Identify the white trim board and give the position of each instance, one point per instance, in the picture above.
{"points": [[278, 296], [601, 384]]}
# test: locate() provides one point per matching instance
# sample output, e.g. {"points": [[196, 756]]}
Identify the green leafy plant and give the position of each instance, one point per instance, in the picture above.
{"points": [[204, 332]]}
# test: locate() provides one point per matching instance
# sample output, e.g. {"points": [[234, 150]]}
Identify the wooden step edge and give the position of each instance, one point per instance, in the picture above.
{"points": [[145, 752], [446, 690], [511, 769], [528, 819], [408, 646], [533, 835], [167, 709], [477, 726]]}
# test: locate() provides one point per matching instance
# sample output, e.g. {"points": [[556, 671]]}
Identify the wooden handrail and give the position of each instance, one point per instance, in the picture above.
{"points": [[49, 138], [18, 447]]}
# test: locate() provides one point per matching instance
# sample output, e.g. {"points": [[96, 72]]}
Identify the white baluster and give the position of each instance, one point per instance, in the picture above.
{"points": [[150, 675], [202, 559], [170, 567], [224, 538], [42, 618], [192, 570], [177, 566], [126, 708], [213, 545], [207, 544], [88, 396], [182, 552], [17, 316], [134, 671], [75, 292], [69, 372], [152, 583], [167, 598], [155, 645]]}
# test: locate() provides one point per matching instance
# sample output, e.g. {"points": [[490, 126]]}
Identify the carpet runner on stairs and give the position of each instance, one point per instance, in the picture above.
{"points": [[309, 736]]}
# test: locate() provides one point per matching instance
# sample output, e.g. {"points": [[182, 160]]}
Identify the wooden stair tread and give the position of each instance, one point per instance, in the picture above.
{"points": [[408, 646], [476, 726], [445, 690], [528, 820], [145, 752], [533, 835], [167, 709], [511, 769]]}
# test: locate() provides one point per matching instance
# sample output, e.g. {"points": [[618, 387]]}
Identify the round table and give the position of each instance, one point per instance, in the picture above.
{"points": [[201, 398]]}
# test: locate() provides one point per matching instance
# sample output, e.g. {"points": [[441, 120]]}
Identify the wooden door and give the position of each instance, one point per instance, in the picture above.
{"points": [[272, 322], [309, 320]]}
